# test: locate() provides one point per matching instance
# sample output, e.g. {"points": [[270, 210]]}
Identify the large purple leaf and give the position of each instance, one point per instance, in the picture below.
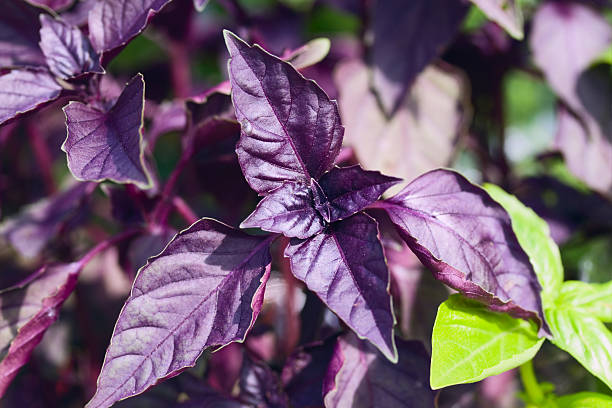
{"points": [[466, 239], [113, 23], [565, 39], [359, 376], [27, 311], [205, 289], [417, 30], [67, 50], [290, 129], [345, 266], [108, 144], [422, 133], [19, 37], [260, 386], [23, 91], [30, 230], [351, 189], [506, 13], [288, 210]]}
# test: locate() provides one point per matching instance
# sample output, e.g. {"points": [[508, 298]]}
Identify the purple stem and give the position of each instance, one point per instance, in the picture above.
{"points": [[107, 243], [43, 157]]}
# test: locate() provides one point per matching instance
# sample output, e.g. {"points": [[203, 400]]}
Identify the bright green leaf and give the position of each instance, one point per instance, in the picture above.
{"points": [[585, 337], [585, 400], [470, 342], [590, 299], [534, 236]]}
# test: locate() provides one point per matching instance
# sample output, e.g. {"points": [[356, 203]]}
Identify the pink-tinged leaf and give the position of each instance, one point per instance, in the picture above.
{"points": [[419, 137], [113, 23], [66, 49], [23, 91], [167, 117], [466, 239], [586, 150], [108, 144], [19, 37], [359, 376], [52, 4], [260, 386], [304, 371], [506, 13], [566, 37], [351, 189], [288, 210], [30, 230], [205, 289], [27, 312], [291, 130], [417, 30], [345, 266]]}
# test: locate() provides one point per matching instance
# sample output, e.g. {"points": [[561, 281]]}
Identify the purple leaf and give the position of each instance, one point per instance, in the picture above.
{"points": [[345, 266], [359, 376], [31, 230], [291, 131], [581, 33], [23, 91], [27, 311], [167, 117], [108, 144], [506, 13], [419, 137], [351, 189], [19, 35], [260, 386], [67, 50], [420, 29], [205, 289], [52, 4], [304, 371], [466, 239], [288, 210], [113, 23]]}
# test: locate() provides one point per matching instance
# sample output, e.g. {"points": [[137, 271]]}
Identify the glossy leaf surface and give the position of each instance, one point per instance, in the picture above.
{"points": [[345, 266], [205, 289], [420, 29], [470, 343], [465, 238], [291, 131], [351, 189], [288, 210], [30, 231], [108, 144], [577, 323], [27, 312], [23, 91], [506, 13], [359, 376], [67, 50], [113, 23]]}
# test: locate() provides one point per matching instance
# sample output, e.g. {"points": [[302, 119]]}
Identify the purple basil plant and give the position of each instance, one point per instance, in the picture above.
{"points": [[300, 273]]}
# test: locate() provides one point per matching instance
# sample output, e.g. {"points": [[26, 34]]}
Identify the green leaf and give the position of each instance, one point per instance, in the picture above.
{"points": [[585, 400], [470, 343], [590, 299], [577, 328], [534, 236]]}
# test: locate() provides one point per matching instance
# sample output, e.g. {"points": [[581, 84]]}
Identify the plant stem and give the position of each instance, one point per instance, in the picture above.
{"points": [[106, 244], [530, 383]]}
